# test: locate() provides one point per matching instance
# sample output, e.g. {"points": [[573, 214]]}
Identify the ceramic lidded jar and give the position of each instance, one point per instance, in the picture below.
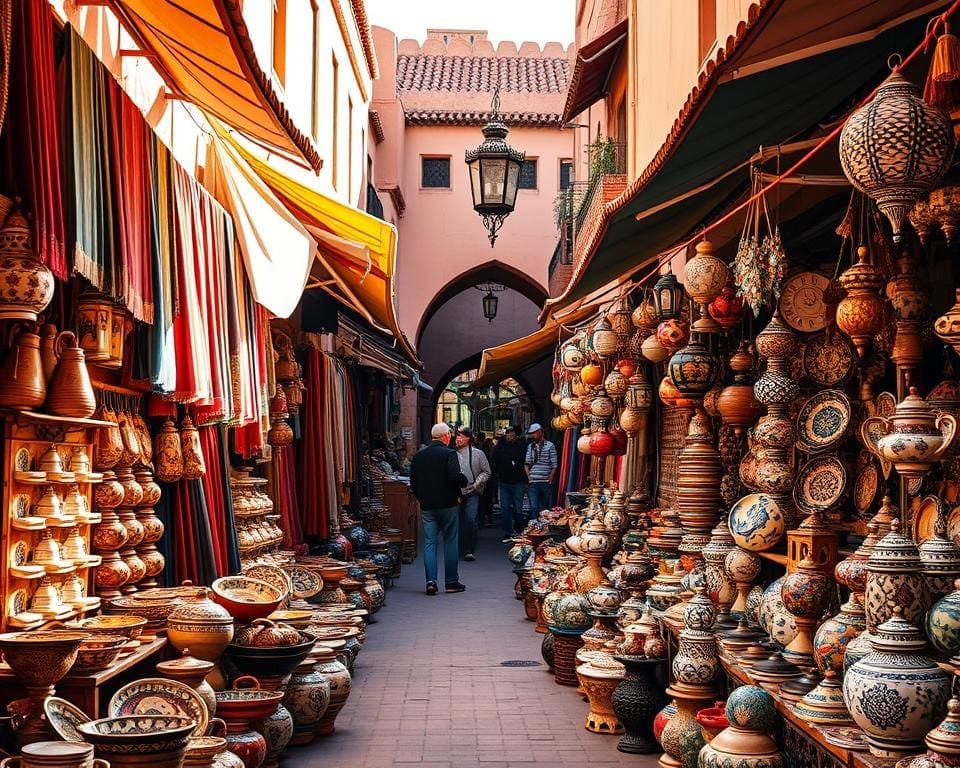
{"points": [[28, 283], [604, 598], [895, 578], [834, 635], [168, 453], [895, 692], [201, 625], [943, 623], [941, 561], [192, 672], [744, 743]]}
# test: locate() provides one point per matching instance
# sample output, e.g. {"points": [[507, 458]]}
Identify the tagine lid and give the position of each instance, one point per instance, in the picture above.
{"points": [[777, 666], [894, 551], [200, 609], [939, 552], [186, 665], [897, 635], [945, 738]]}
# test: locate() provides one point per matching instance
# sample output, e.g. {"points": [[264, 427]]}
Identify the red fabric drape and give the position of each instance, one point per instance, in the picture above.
{"points": [[213, 485], [184, 548], [34, 132], [312, 466], [286, 502]]}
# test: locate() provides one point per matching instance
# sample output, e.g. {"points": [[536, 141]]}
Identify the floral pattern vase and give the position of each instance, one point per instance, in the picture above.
{"points": [[834, 635], [895, 693], [943, 624], [340, 684], [277, 731], [895, 578]]}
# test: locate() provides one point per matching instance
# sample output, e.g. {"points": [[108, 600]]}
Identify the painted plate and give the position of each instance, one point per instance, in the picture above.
{"points": [[19, 553], [155, 696], [866, 487], [821, 483], [306, 583], [17, 602], [64, 718], [272, 575], [829, 359], [21, 460], [848, 738], [926, 516], [885, 404], [823, 421]]}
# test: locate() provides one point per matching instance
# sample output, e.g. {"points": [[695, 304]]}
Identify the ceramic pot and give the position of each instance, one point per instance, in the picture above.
{"points": [[277, 731], [307, 699], [110, 534], [151, 491], [200, 625], [70, 392], [111, 574], [895, 692], [338, 677], [740, 747], [152, 525], [168, 454], [108, 494], [757, 522], [895, 578], [135, 529], [192, 672], [240, 707], [22, 383], [834, 635], [636, 699], [943, 624], [599, 676]]}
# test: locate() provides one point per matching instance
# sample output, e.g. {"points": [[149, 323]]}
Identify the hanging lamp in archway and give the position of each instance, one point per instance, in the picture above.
{"points": [[494, 173]]}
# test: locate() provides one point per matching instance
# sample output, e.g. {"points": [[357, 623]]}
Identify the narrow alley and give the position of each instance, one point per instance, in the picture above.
{"points": [[430, 690]]}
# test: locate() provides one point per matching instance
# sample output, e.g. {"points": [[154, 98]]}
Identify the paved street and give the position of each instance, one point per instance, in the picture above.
{"points": [[429, 690]]}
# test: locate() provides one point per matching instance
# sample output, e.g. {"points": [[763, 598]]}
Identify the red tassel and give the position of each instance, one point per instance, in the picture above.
{"points": [[942, 88]]}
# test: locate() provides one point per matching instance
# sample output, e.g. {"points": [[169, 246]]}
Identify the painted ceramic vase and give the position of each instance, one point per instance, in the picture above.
{"points": [[200, 625], [745, 743], [775, 619], [834, 635], [636, 702], [28, 283], [277, 731], [571, 612], [661, 719], [700, 612], [756, 522], [941, 561], [895, 578], [895, 693], [943, 624], [339, 679], [604, 598], [857, 648]]}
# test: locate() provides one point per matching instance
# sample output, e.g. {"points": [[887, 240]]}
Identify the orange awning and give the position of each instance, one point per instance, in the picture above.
{"points": [[202, 50], [499, 363], [591, 73], [357, 252]]}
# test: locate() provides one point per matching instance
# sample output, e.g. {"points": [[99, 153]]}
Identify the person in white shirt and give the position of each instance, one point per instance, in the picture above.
{"points": [[475, 467]]}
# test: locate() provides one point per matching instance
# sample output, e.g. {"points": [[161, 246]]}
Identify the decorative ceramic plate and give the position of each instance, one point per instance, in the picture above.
{"points": [[829, 359], [306, 583], [17, 602], [866, 486], [925, 518], [821, 483], [20, 506], [64, 718], [848, 738], [21, 460], [157, 697], [19, 554], [823, 420], [274, 576], [885, 404]]}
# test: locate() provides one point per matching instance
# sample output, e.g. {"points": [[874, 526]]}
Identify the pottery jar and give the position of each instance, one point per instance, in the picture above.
{"points": [[744, 743], [138, 568], [895, 578], [941, 562], [200, 625], [22, 384], [109, 534], [833, 636], [151, 491], [70, 392], [152, 525], [135, 529], [913, 438], [943, 623], [192, 672], [604, 598], [696, 661], [895, 693], [338, 677], [277, 731], [307, 699], [168, 454], [700, 612], [194, 466], [153, 560], [132, 490], [111, 574], [108, 494]]}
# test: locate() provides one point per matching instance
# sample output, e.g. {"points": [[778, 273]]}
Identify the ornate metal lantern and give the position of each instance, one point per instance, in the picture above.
{"points": [[494, 173], [490, 300], [896, 148], [668, 297]]}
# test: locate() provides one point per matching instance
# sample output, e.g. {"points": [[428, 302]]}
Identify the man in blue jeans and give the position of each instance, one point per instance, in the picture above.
{"points": [[436, 480], [541, 465], [476, 469], [508, 461]]}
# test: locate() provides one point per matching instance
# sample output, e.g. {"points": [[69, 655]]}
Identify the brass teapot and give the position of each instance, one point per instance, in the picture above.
{"points": [[913, 439]]}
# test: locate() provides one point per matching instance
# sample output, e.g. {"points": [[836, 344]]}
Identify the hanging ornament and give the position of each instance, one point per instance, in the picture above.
{"points": [[942, 88], [922, 220], [615, 383], [673, 334], [603, 339], [896, 148], [653, 350], [591, 374], [861, 312], [694, 369], [645, 315], [704, 277], [759, 264], [727, 308]]}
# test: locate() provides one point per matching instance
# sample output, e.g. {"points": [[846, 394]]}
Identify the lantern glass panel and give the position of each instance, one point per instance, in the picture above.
{"points": [[490, 302], [494, 176], [513, 181], [475, 186]]}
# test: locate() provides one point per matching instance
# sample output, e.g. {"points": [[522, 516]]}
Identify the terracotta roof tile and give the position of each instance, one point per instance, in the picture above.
{"points": [[482, 73], [461, 117]]}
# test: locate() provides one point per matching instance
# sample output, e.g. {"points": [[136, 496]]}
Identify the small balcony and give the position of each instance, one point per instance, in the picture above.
{"points": [[577, 207]]}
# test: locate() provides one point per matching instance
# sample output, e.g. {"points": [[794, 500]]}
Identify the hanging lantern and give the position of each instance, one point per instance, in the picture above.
{"points": [[601, 405], [639, 392], [737, 404], [603, 339], [620, 321], [571, 356], [592, 375], [694, 369], [896, 148], [583, 442], [619, 437], [943, 206], [615, 383], [645, 315], [653, 350], [704, 277], [632, 420], [947, 326], [921, 219], [860, 313], [601, 443], [490, 302], [727, 308], [668, 297], [668, 392], [673, 334]]}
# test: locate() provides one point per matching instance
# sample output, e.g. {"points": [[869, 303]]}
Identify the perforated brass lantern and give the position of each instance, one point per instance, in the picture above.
{"points": [[494, 173]]}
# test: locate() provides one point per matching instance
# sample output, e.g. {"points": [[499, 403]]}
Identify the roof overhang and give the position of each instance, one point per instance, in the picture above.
{"points": [[203, 52], [594, 65], [826, 55]]}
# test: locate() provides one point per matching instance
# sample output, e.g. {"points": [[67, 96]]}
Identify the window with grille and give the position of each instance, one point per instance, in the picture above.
{"points": [[528, 175], [435, 172], [566, 173]]}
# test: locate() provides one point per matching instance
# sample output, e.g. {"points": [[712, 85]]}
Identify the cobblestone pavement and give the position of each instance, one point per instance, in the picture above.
{"points": [[429, 689]]}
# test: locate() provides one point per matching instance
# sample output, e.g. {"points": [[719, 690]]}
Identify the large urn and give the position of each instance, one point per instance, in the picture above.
{"points": [[28, 284], [636, 700], [201, 625], [895, 580], [895, 693]]}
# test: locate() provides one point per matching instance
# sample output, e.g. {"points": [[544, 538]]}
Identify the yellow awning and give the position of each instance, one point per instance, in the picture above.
{"points": [[499, 363], [357, 252], [202, 50]]}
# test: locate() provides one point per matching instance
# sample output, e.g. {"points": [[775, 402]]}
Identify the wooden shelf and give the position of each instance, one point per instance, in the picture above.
{"points": [[62, 421]]}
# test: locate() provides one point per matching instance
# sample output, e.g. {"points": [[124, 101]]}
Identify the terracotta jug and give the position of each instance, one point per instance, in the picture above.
{"points": [[194, 466], [71, 393], [22, 385]]}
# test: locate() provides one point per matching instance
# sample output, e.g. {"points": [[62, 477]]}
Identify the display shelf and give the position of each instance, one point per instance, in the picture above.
{"points": [[34, 417]]}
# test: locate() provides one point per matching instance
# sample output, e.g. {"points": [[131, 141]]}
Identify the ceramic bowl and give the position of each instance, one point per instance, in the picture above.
{"points": [[271, 661], [154, 611], [41, 657], [246, 599], [97, 653], [247, 704], [130, 627], [138, 734], [296, 619]]}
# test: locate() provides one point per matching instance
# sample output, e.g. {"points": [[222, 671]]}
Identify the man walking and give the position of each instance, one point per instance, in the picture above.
{"points": [[541, 467], [436, 480], [508, 466], [476, 469]]}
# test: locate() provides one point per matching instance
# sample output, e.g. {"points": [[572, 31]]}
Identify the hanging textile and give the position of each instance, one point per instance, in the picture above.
{"points": [[316, 487], [193, 553], [160, 365], [285, 496], [90, 185], [213, 489], [33, 136]]}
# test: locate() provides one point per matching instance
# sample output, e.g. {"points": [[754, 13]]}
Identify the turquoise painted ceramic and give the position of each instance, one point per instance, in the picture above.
{"points": [[751, 708], [943, 624]]}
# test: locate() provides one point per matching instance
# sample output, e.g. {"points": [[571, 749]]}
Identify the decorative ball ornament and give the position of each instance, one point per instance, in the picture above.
{"points": [[861, 312], [601, 443], [592, 375], [896, 148], [673, 334], [583, 442], [727, 308], [571, 356], [604, 339], [653, 350]]}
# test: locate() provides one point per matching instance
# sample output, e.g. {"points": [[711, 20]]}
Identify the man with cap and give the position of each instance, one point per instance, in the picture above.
{"points": [[509, 456], [541, 467], [476, 469]]}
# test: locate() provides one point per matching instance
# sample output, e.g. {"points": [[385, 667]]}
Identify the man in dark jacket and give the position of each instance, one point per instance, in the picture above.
{"points": [[508, 458], [436, 480]]}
